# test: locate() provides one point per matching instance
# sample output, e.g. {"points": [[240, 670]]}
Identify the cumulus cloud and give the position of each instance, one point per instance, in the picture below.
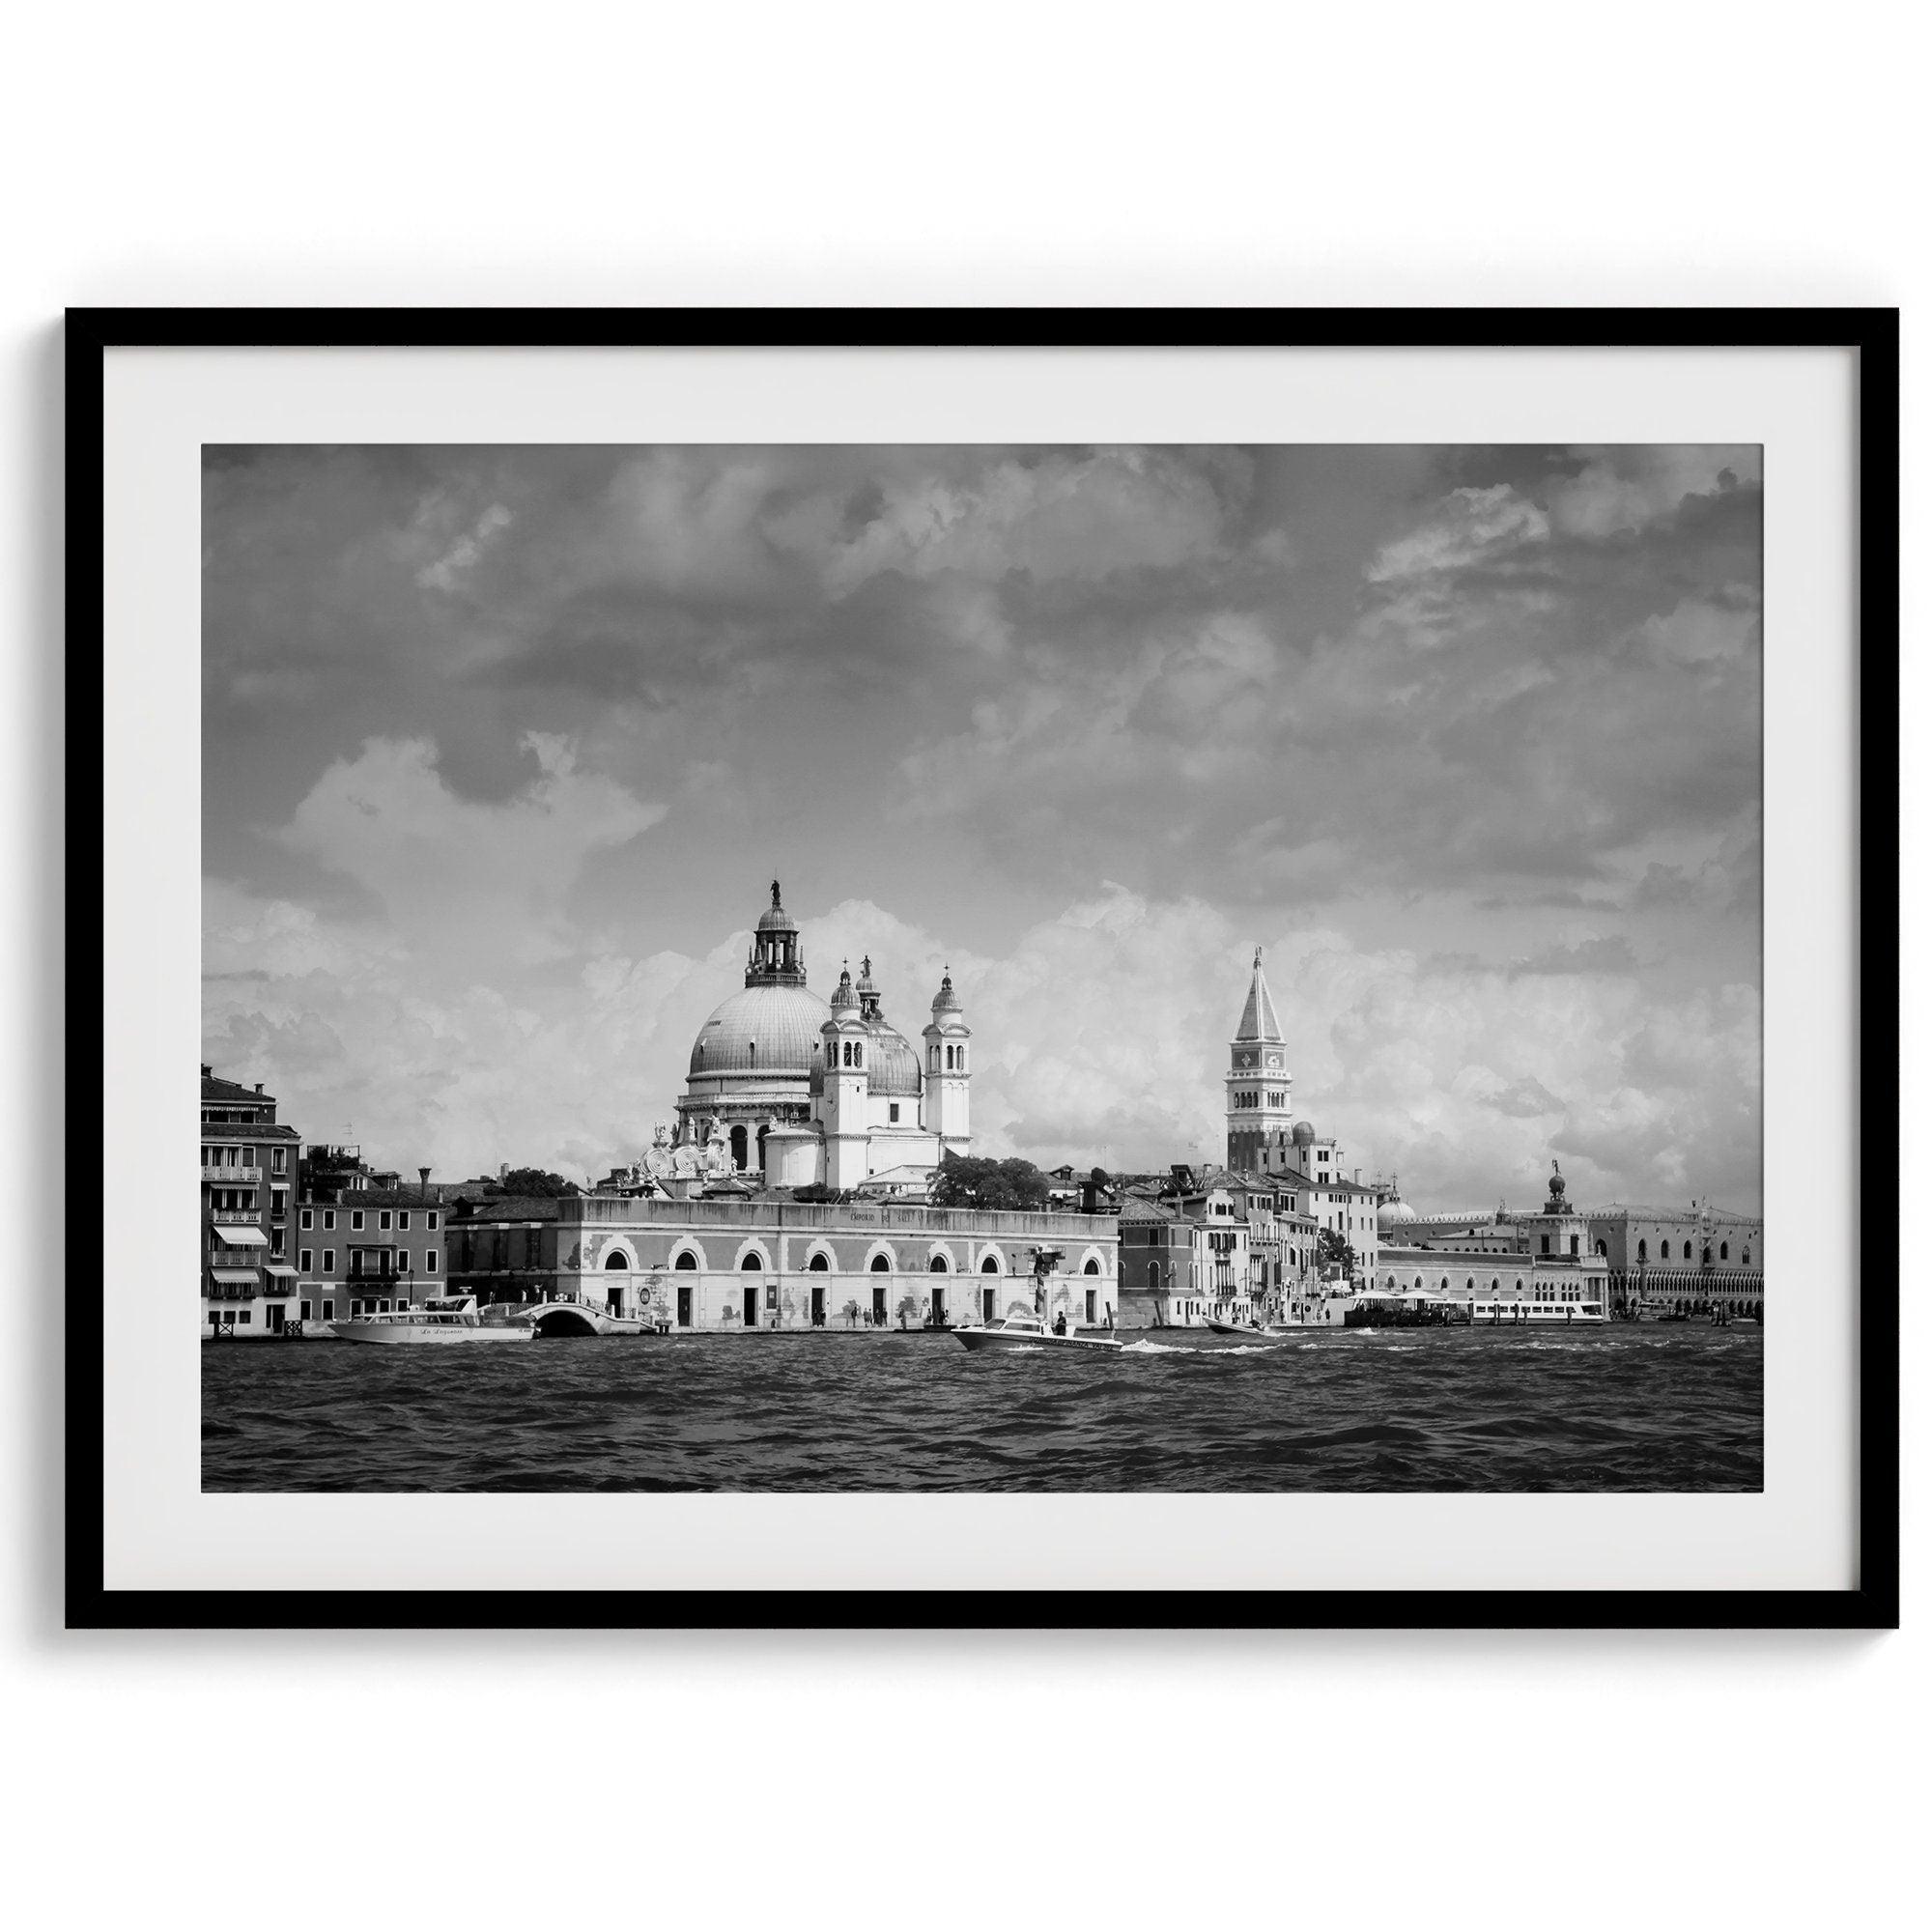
{"points": [[1463, 734], [1621, 488], [456, 870], [1101, 1035], [1467, 526]]}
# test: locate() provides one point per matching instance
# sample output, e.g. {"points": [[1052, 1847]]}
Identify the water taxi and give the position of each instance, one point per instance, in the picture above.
{"points": [[449, 1319], [1029, 1331]]}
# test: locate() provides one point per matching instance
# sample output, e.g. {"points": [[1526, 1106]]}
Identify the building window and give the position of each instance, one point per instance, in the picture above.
{"points": [[1641, 1251], [328, 1261], [356, 1220], [403, 1220], [308, 1261], [328, 1220], [279, 1164], [402, 1261], [382, 1221], [430, 1259], [1663, 1251], [1723, 1251], [430, 1221], [303, 1316], [1747, 1257], [308, 1219], [892, 1113], [328, 1311]]}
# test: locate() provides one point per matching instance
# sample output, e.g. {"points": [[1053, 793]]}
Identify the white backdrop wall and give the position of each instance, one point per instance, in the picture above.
{"points": [[218, 154]]}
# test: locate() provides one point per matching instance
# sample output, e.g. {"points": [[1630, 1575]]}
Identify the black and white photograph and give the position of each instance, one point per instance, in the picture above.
{"points": [[983, 968]]}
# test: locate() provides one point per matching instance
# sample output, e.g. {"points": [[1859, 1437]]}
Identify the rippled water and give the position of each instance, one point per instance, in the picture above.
{"points": [[1628, 1407]]}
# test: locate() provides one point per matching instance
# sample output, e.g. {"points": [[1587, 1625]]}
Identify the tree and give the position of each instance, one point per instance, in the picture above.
{"points": [[966, 1181], [1332, 1251], [539, 1183], [1100, 1178]]}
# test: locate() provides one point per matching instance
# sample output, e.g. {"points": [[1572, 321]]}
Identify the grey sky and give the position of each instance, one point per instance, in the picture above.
{"points": [[503, 746]]}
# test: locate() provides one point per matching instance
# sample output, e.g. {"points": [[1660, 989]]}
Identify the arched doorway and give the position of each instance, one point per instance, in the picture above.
{"points": [[753, 1263], [881, 1265], [936, 1301], [819, 1265], [989, 1297], [616, 1262], [685, 1263], [739, 1149]]}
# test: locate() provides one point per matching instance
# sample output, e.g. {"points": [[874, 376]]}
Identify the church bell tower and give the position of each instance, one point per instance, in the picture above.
{"points": [[947, 1075], [1260, 1086]]}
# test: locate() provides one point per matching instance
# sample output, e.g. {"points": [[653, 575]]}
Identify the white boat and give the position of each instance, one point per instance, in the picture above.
{"points": [[1025, 1330], [437, 1321], [1028, 1331]]}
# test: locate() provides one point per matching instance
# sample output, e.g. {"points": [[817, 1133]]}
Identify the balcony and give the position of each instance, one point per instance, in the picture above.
{"points": [[378, 1271], [230, 1177], [236, 1218]]}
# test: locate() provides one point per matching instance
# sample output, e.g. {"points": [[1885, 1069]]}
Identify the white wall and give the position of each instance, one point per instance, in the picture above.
{"points": [[1511, 153]]}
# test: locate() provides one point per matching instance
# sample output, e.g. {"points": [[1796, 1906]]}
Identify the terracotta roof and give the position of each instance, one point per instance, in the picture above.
{"points": [[246, 1130], [508, 1207]]}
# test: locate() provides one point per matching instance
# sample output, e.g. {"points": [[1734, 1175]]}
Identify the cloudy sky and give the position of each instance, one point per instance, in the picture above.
{"points": [[503, 746]]}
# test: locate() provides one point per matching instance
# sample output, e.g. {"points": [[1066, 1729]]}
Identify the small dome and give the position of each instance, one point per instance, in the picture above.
{"points": [[775, 918], [895, 1065], [843, 999], [1558, 1187], [1304, 1133], [1393, 1212], [946, 1000]]}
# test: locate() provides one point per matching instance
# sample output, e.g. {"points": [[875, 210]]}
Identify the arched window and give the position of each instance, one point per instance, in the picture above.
{"points": [[819, 1265], [1153, 1274], [739, 1148], [935, 1057], [990, 1265], [858, 1053], [687, 1261], [1643, 1251], [753, 1263], [1723, 1251], [1092, 1267], [617, 1259], [1495, 1285], [1519, 1284], [939, 1265], [1707, 1256], [1603, 1248], [1663, 1251], [1747, 1257], [881, 1265]]}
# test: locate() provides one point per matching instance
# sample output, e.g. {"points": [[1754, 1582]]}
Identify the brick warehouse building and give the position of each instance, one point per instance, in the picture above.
{"points": [[250, 1169]]}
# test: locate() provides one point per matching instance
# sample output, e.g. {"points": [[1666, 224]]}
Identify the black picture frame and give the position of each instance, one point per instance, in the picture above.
{"points": [[1872, 333]]}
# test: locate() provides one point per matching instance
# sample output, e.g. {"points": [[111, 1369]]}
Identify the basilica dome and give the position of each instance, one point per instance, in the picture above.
{"points": [[761, 1030], [1393, 1211]]}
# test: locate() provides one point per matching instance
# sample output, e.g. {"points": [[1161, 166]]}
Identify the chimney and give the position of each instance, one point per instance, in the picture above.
{"points": [[258, 1086], [422, 1175], [207, 1071]]}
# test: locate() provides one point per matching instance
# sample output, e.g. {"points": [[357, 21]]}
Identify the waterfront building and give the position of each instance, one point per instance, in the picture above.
{"points": [[1220, 1246], [802, 1093], [363, 1250], [1694, 1261], [251, 1168], [743, 1261]]}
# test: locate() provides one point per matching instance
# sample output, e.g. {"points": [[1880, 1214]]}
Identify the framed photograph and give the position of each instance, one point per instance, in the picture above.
{"points": [[937, 968]]}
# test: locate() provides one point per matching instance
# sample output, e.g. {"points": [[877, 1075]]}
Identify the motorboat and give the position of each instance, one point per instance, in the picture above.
{"points": [[1028, 1331], [1246, 1331], [447, 1319]]}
